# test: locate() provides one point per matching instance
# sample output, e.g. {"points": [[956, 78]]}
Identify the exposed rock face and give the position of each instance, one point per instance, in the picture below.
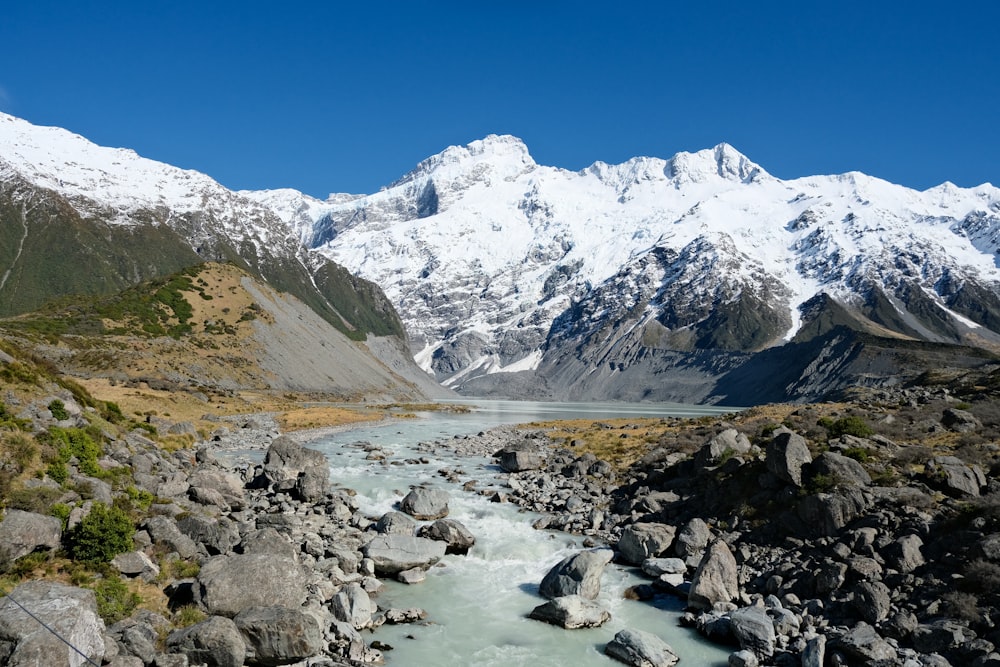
{"points": [[862, 645], [952, 475], [136, 564], [229, 584], [641, 649], [215, 641], [520, 460], [828, 513], [23, 532], [579, 574], [392, 554], [571, 612], [279, 636], [640, 541], [727, 443], [425, 504], [787, 453], [716, 579], [842, 469], [69, 611]]}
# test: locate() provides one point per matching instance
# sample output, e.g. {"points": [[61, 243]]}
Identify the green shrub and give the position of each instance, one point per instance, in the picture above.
{"points": [[58, 472], [852, 425], [38, 500], [61, 511], [112, 412], [859, 454], [58, 410], [114, 600], [103, 534]]}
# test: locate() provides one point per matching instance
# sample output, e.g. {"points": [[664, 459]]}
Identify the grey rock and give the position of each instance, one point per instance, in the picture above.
{"points": [[845, 470], [787, 453], [727, 443], [825, 514], [353, 605], [814, 654], [954, 477], [278, 635], [640, 541], [396, 523], [215, 642], [862, 644], [753, 630], [267, 540], [960, 421], [398, 616], [692, 539], [939, 636], [425, 504], [136, 564], [96, 489], [654, 567], [226, 585], [716, 579], [743, 658], [520, 460], [69, 611], [412, 576], [571, 612], [872, 600], [305, 469], [23, 532], [392, 554], [905, 554], [641, 649], [163, 530], [217, 536], [579, 574], [455, 535]]}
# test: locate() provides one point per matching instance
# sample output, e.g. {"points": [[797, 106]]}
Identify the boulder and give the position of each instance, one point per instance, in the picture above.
{"points": [[960, 421], [136, 564], [814, 654], [306, 471], [396, 523], [267, 540], [164, 531], [69, 611], [520, 460], [728, 443], [217, 536], [640, 541], [862, 645], [716, 579], [571, 612], [905, 554], [279, 636], [754, 630], [579, 574], [455, 535], [655, 567], [226, 585], [845, 470], [23, 532], [825, 514], [641, 649], [787, 453], [352, 605], [215, 642], [425, 504], [872, 600], [743, 658], [392, 554], [692, 539], [954, 477]]}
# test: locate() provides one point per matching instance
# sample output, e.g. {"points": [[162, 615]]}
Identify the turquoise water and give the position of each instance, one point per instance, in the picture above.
{"points": [[477, 604]]}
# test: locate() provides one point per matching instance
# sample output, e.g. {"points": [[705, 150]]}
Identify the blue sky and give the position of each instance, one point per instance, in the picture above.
{"points": [[336, 97]]}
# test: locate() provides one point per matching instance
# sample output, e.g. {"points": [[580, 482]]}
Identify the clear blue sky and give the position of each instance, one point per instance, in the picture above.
{"points": [[346, 97]]}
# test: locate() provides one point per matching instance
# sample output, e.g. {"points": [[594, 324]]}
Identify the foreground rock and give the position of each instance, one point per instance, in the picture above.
{"points": [[717, 578], [215, 641], [69, 611], [579, 574], [279, 636], [392, 554], [227, 585], [23, 532], [641, 649], [571, 612]]}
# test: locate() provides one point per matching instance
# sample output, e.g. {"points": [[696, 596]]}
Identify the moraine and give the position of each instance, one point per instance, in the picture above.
{"points": [[478, 604]]}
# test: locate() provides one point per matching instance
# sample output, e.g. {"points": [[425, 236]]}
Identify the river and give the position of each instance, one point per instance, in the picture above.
{"points": [[477, 604]]}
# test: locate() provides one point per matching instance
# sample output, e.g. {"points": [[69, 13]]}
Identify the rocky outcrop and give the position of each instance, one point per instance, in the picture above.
{"points": [[641, 649], [303, 472], [571, 612], [278, 635], [456, 536], [716, 579], [215, 641], [579, 574], [70, 612], [23, 532], [640, 541], [392, 554], [787, 453], [222, 584], [425, 504]]}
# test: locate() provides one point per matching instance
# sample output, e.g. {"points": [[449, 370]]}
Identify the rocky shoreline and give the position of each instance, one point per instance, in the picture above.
{"points": [[791, 554]]}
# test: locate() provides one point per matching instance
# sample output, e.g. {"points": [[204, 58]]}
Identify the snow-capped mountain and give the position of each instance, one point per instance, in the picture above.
{"points": [[659, 279], [500, 265]]}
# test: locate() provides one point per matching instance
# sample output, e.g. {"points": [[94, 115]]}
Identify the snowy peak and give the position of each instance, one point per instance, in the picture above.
{"points": [[723, 161], [502, 156]]}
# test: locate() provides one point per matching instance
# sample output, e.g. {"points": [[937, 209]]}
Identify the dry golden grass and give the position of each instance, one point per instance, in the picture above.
{"points": [[299, 419]]}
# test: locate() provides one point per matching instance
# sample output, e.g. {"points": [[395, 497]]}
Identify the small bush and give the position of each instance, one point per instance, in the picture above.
{"points": [[188, 615], [982, 576], [961, 605], [852, 425], [38, 500], [58, 410], [103, 534], [859, 454], [114, 600]]}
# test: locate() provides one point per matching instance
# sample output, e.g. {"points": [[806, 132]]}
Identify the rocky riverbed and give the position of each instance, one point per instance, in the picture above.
{"points": [[788, 546]]}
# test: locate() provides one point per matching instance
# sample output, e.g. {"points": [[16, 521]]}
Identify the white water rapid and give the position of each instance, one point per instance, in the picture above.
{"points": [[477, 604]]}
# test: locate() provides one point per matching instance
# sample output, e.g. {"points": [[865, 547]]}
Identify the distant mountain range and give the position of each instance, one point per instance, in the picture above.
{"points": [[699, 278]]}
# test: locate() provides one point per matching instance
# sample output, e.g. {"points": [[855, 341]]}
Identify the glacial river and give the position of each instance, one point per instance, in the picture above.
{"points": [[477, 604]]}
